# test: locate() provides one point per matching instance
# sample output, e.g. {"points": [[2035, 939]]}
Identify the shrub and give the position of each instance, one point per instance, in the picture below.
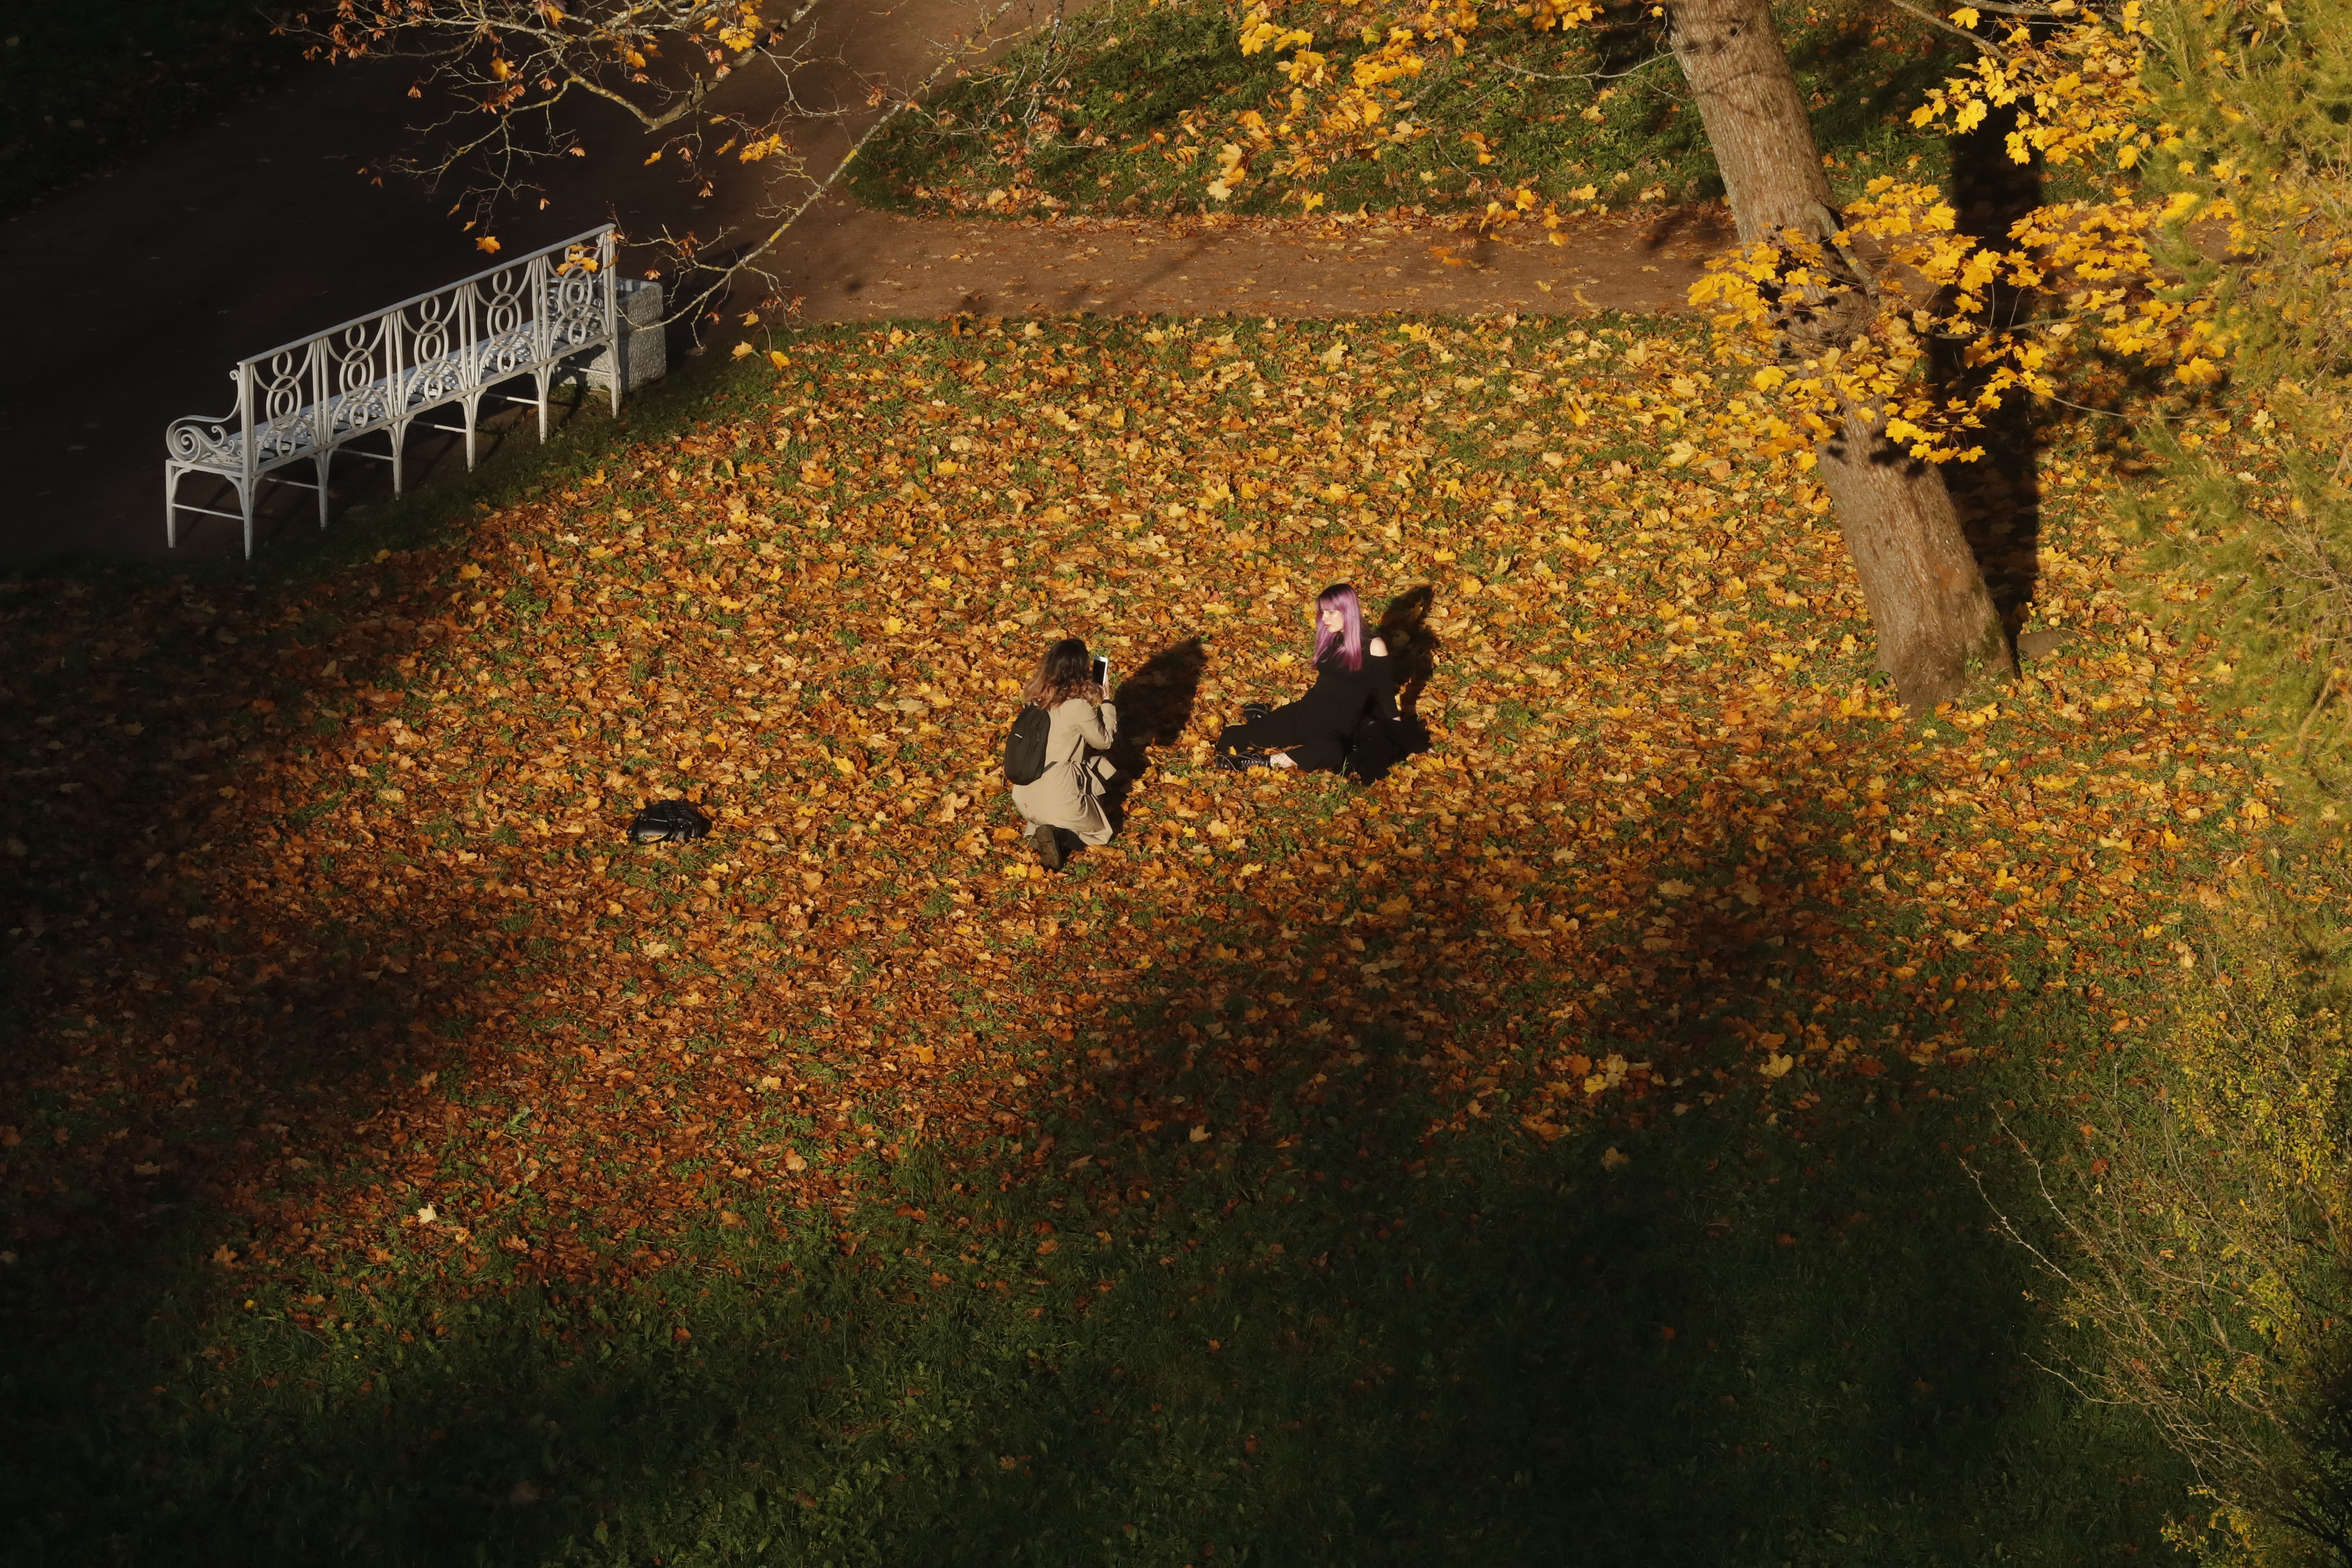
{"points": [[2202, 1244]]}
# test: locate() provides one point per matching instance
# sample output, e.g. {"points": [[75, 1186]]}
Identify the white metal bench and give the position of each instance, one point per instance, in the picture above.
{"points": [[556, 312]]}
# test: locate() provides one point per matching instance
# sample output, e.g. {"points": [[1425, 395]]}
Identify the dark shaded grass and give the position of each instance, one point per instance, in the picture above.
{"points": [[1371, 1346]]}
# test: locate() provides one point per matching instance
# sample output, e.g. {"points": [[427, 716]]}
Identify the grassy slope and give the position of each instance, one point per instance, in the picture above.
{"points": [[1129, 72], [1666, 996]]}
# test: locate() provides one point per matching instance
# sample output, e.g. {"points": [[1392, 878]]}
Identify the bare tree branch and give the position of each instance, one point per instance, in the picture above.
{"points": [[1921, 13], [504, 74], [746, 262]]}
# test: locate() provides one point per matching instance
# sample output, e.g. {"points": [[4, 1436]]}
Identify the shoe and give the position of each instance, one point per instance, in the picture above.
{"points": [[1253, 711], [1048, 844], [1237, 761]]}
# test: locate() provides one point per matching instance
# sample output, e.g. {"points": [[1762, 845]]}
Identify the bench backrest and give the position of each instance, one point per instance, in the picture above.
{"points": [[432, 349]]}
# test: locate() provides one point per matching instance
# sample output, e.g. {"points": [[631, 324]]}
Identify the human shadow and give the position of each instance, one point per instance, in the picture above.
{"points": [[1155, 706], [1413, 643], [1383, 742], [1380, 739], [1155, 703]]}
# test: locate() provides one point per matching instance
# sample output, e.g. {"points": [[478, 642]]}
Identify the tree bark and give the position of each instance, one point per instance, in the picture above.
{"points": [[1937, 626], [1935, 618]]}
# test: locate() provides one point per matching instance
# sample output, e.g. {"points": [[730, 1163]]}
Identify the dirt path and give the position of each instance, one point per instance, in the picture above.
{"points": [[848, 264], [138, 291]]}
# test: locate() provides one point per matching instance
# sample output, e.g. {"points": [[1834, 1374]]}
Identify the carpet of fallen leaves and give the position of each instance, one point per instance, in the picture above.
{"points": [[322, 912]]}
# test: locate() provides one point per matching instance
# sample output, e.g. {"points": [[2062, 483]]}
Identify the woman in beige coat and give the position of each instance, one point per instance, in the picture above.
{"points": [[1065, 799]]}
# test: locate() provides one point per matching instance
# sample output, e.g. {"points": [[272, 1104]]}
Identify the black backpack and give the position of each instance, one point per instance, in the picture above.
{"points": [[669, 822], [1025, 745]]}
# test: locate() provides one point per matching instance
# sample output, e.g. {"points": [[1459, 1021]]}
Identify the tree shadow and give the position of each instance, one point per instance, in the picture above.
{"points": [[1706, 221], [1998, 497], [1281, 1260], [1393, 1302], [217, 744], [177, 700], [1649, 1335]]}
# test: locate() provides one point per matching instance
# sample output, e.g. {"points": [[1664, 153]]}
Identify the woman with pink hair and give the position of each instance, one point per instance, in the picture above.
{"points": [[1353, 681]]}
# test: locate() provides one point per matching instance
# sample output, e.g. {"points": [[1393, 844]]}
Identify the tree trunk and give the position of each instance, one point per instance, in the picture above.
{"points": [[1936, 621], [1936, 624]]}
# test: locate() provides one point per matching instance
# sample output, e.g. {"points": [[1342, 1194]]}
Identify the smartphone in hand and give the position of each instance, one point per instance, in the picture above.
{"points": [[1102, 674]]}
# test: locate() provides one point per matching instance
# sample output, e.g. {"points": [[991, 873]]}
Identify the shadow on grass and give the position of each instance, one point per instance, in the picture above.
{"points": [[1155, 703], [74, 98], [1234, 1285], [1275, 1263], [1413, 644], [151, 711]]}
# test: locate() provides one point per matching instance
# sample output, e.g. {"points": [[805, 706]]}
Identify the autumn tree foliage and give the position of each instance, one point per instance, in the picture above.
{"points": [[2207, 255], [2208, 1251], [1936, 620], [2205, 1244]]}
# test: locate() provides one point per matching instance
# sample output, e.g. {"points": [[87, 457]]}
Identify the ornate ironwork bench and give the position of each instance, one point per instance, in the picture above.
{"points": [[555, 312]]}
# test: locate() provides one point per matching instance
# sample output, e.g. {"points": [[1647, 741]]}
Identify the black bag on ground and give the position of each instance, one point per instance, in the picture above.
{"points": [[1025, 745], [669, 822]]}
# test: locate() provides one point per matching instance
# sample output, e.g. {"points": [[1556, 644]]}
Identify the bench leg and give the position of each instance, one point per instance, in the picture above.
{"points": [[171, 506], [399, 440], [323, 459], [472, 414], [245, 493], [542, 407]]}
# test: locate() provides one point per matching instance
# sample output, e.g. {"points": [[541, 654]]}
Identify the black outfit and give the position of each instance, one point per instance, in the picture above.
{"points": [[1344, 708]]}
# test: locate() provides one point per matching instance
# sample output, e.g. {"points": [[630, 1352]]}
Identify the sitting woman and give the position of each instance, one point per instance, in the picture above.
{"points": [[1353, 681], [1065, 797]]}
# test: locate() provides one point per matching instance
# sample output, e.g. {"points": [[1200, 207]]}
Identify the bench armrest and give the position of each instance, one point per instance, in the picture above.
{"points": [[204, 438]]}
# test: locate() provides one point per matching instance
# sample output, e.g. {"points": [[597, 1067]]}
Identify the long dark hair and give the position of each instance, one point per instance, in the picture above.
{"points": [[1066, 671]]}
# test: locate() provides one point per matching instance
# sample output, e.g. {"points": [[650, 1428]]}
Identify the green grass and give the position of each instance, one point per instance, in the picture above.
{"points": [[1364, 1353], [81, 88], [1131, 70]]}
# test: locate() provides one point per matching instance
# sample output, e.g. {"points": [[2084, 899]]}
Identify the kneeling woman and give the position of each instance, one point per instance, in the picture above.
{"points": [[1353, 679], [1065, 799]]}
